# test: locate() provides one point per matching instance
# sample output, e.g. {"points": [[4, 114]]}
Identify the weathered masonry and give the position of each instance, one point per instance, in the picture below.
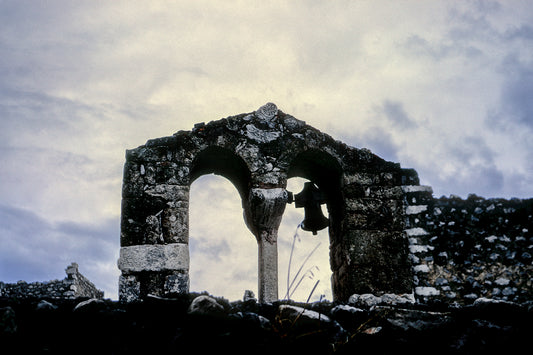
{"points": [[463, 250], [258, 152]]}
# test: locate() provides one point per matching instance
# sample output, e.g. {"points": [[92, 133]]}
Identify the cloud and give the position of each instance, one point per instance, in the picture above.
{"points": [[483, 180], [517, 91], [471, 150], [395, 113], [520, 33], [216, 250], [380, 139], [34, 249], [441, 49], [468, 165]]}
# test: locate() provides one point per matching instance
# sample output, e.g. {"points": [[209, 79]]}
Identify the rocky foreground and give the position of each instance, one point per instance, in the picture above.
{"points": [[203, 324]]}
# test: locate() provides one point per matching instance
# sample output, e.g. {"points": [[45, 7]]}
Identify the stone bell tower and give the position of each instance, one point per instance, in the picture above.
{"points": [[258, 152]]}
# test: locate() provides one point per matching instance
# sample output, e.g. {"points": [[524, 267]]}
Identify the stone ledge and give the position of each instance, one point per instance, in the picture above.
{"points": [[417, 209], [417, 188]]}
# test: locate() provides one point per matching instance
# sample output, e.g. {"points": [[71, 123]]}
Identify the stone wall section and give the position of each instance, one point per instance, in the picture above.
{"points": [[463, 250], [73, 286], [372, 256]]}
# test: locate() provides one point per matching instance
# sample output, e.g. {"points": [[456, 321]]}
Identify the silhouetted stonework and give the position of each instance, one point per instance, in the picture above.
{"points": [[208, 325]]}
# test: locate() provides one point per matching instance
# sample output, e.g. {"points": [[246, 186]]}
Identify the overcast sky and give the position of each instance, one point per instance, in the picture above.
{"points": [[444, 87]]}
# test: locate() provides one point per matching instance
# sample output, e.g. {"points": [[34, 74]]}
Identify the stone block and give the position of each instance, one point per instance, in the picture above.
{"points": [[372, 247], [418, 195], [409, 177], [167, 172], [137, 258], [363, 179], [175, 225], [138, 217], [150, 154], [133, 181], [380, 279], [169, 193], [177, 283], [129, 288], [380, 192], [161, 215], [416, 209], [168, 141], [373, 213]]}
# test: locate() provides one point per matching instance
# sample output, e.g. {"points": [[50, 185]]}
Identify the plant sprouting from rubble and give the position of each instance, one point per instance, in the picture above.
{"points": [[294, 283]]}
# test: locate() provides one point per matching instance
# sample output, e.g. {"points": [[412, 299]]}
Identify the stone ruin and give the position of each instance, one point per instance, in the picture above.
{"points": [[73, 286], [388, 235]]}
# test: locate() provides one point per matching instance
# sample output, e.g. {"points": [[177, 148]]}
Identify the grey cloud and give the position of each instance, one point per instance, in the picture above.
{"points": [[214, 249], [395, 113], [379, 141], [34, 249], [517, 92], [515, 107], [28, 171], [246, 273], [469, 33], [524, 32], [487, 181], [473, 169], [32, 117], [419, 46], [471, 148], [472, 21]]}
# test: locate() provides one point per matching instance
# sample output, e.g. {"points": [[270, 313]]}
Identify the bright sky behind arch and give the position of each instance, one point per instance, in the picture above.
{"points": [[443, 87]]}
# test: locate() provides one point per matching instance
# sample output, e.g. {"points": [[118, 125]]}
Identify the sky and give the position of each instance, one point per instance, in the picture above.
{"points": [[444, 87]]}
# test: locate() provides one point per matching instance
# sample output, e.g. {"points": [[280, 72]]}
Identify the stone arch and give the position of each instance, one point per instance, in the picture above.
{"points": [[224, 162]]}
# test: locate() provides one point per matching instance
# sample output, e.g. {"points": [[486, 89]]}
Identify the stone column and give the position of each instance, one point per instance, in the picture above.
{"points": [[263, 213], [268, 266]]}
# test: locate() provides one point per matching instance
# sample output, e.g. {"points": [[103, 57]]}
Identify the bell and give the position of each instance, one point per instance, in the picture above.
{"points": [[310, 198]]}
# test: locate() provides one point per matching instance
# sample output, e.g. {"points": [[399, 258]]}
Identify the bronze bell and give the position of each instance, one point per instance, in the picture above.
{"points": [[310, 198]]}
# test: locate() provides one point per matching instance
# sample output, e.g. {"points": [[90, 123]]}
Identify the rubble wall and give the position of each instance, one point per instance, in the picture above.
{"points": [[73, 286], [465, 249]]}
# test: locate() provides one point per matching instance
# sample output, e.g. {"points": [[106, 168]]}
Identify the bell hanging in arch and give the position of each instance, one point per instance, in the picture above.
{"points": [[310, 198]]}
